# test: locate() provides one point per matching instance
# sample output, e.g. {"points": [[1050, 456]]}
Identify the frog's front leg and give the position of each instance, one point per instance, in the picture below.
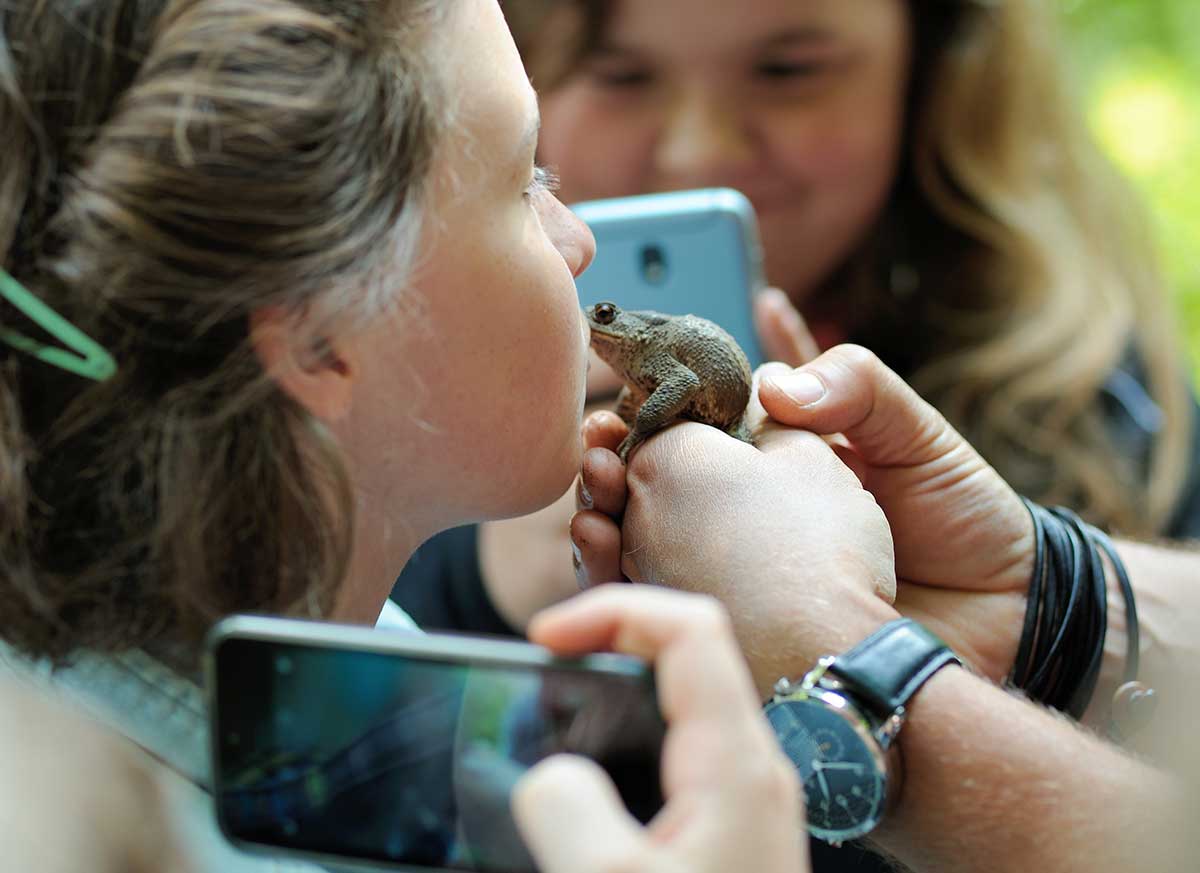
{"points": [[629, 401], [675, 389]]}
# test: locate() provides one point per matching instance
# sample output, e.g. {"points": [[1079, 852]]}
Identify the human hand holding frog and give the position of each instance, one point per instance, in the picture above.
{"points": [[781, 531], [525, 561], [963, 540]]}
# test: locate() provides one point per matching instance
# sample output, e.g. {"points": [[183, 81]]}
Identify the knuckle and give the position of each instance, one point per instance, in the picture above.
{"points": [[857, 358]]}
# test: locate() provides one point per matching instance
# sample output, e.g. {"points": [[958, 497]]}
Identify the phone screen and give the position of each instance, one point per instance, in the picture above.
{"points": [[387, 757]]}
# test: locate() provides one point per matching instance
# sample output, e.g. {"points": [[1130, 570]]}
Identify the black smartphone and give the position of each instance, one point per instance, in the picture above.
{"points": [[347, 744]]}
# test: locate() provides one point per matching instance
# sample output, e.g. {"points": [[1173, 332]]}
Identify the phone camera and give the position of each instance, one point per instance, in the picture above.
{"points": [[654, 265]]}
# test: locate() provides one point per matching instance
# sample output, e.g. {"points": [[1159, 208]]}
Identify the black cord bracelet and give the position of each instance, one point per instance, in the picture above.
{"points": [[1062, 640]]}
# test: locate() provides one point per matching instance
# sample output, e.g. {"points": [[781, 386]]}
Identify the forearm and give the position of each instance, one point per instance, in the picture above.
{"points": [[1166, 584], [526, 562], [995, 783]]}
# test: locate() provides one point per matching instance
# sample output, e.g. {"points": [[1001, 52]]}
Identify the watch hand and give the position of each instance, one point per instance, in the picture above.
{"points": [[857, 768], [821, 778]]}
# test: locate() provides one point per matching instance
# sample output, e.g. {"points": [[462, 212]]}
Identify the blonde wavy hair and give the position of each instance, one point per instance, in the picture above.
{"points": [[171, 166], [1027, 272]]}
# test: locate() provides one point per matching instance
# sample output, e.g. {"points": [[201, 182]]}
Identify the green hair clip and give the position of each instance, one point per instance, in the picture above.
{"points": [[86, 357]]}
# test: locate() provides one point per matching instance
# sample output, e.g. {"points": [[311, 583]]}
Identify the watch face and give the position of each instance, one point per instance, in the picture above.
{"points": [[842, 766]]}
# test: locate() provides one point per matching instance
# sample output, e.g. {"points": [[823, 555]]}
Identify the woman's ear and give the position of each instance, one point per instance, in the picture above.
{"points": [[308, 367]]}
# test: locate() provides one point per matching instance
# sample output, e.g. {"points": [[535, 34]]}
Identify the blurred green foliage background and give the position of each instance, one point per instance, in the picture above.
{"points": [[1138, 68]]}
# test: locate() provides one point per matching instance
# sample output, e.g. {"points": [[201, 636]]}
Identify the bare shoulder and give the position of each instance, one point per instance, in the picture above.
{"points": [[77, 795]]}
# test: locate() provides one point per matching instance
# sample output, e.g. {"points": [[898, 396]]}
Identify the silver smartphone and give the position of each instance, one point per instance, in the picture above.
{"points": [[682, 252], [371, 749]]}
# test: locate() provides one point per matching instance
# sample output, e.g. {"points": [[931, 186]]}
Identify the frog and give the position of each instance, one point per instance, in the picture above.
{"points": [[674, 367]]}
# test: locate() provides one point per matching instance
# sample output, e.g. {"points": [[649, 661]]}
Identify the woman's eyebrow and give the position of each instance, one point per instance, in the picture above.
{"points": [[798, 36], [792, 37]]}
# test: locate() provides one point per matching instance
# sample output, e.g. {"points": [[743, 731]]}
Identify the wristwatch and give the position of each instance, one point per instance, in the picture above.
{"points": [[839, 725]]}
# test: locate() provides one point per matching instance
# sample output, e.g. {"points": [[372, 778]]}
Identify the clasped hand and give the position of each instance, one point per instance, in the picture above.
{"points": [[856, 501]]}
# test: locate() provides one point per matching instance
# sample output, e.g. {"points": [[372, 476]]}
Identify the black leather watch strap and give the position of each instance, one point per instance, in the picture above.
{"points": [[887, 668]]}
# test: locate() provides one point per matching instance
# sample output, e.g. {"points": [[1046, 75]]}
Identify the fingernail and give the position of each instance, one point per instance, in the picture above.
{"points": [[805, 388], [585, 496], [774, 295], [577, 561]]}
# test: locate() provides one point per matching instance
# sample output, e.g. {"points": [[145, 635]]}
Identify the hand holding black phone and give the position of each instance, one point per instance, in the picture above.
{"points": [[398, 749]]}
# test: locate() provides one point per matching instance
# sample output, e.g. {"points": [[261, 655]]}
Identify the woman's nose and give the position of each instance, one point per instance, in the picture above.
{"points": [[703, 142], [570, 236]]}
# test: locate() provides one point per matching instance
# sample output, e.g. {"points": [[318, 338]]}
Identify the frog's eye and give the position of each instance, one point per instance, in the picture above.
{"points": [[604, 313]]}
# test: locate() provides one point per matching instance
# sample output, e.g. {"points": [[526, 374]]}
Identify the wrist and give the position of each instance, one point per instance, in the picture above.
{"points": [[1061, 651], [840, 725], [948, 691], [799, 638], [1116, 642], [1167, 601], [983, 628]]}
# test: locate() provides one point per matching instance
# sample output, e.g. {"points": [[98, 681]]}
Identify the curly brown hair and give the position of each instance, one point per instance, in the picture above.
{"points": [[169, 168]]}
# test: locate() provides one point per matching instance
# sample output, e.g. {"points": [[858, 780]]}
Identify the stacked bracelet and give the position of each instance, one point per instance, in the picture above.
{"points": [[1062, 642]]}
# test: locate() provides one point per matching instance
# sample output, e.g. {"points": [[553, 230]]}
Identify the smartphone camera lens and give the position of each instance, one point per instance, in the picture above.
{"points": [[654, 265]]}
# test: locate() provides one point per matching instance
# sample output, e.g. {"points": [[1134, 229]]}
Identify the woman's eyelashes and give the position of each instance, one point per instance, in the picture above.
{"points": [[621, 79], [617, 69], [783, 71], [778, 73], [544, 181]]}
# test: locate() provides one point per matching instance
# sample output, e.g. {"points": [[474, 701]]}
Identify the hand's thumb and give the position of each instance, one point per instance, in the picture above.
{"points": [[849, 390], [573, 820]]}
